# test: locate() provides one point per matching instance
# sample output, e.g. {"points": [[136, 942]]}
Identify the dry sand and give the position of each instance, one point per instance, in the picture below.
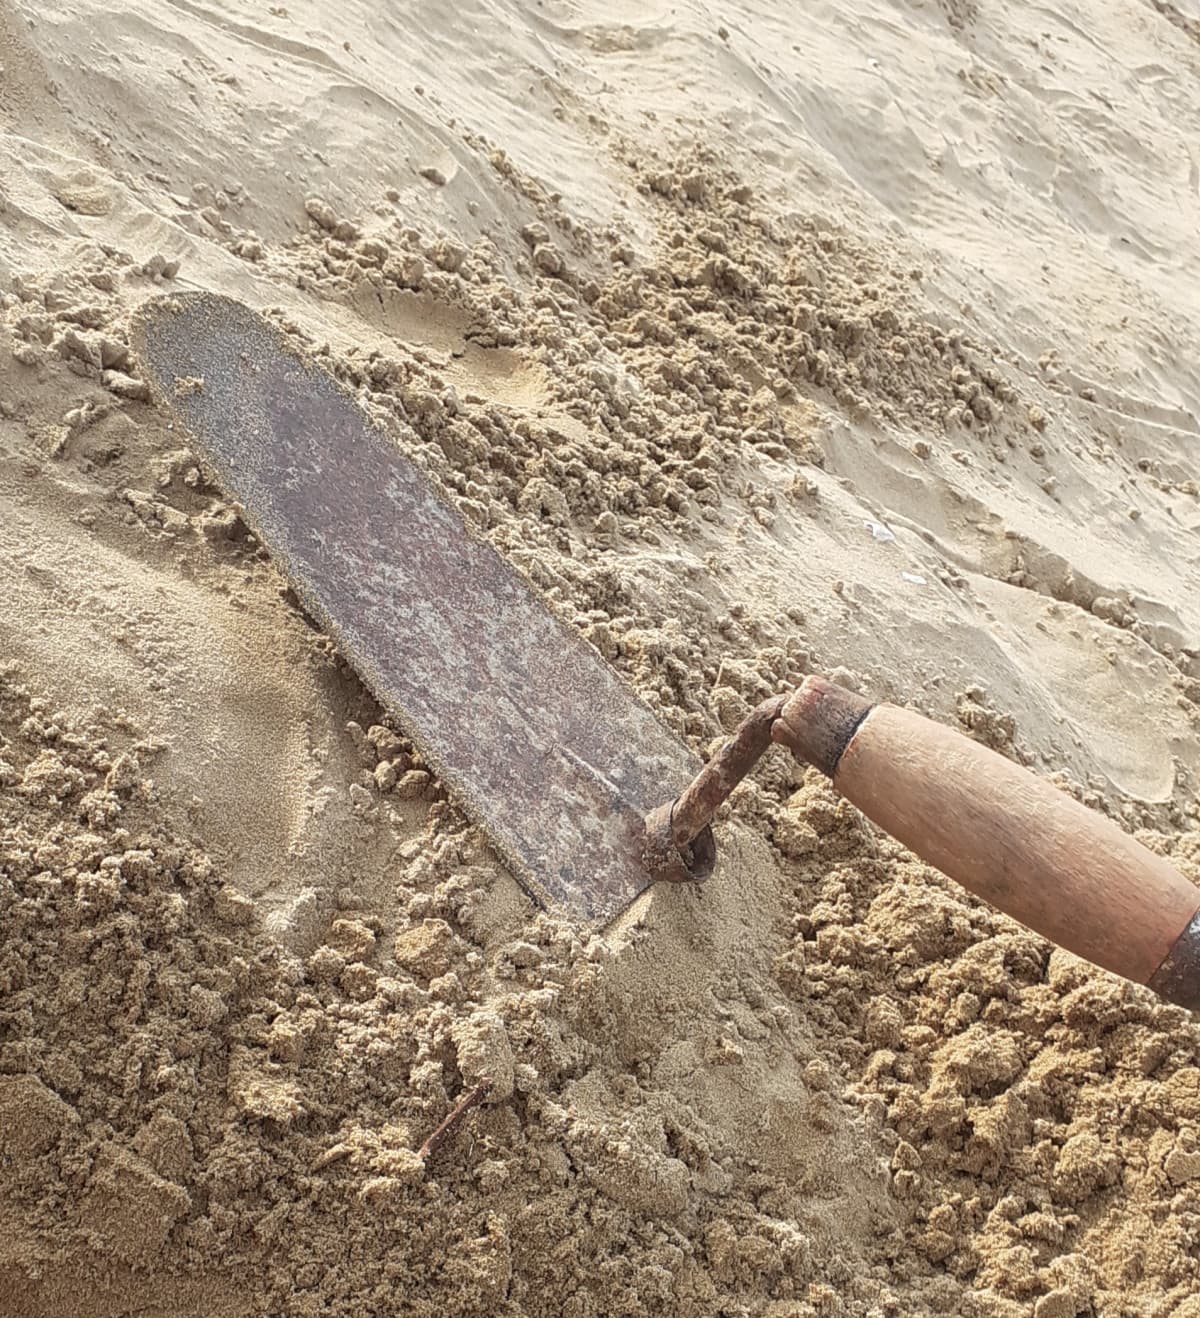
{"points": [[762, 339]]}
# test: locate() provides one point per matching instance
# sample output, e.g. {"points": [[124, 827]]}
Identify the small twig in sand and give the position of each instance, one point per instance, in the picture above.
{"points": [[454, 1120]]}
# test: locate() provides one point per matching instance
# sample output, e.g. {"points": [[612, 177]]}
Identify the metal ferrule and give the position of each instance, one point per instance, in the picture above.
{"points": [[1178, 978]]}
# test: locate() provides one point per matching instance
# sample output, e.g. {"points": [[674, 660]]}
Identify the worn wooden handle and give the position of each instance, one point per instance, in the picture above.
{"points": [[1008, 836]]}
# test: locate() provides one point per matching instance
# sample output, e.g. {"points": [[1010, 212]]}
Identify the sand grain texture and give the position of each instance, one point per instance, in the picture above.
{"points": [[864, 344]]}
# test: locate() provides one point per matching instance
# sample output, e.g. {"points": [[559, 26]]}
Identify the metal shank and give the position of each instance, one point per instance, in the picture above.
{"points": [[676, 844]]}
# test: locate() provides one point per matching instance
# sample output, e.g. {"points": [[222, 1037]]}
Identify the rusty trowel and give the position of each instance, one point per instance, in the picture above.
{"points": [[581, 789]]}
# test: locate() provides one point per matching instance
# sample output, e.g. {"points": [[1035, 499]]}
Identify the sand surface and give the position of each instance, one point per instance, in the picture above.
{"points": [[762, 339]]}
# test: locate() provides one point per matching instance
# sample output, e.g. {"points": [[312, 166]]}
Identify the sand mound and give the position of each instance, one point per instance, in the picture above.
{"points": [[869, 348]]}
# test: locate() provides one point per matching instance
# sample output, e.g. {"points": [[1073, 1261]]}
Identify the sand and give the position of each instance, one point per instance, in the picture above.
{"points": [[862, 342]]}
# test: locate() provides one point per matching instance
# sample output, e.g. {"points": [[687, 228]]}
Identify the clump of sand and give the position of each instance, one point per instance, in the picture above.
{"points": [[813, 385]]}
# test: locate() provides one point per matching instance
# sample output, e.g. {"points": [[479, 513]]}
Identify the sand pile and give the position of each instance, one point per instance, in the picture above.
{"points": [[820, 378]]}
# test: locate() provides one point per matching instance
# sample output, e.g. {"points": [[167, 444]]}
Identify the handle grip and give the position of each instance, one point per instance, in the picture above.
{"points": [[1008, 836]]}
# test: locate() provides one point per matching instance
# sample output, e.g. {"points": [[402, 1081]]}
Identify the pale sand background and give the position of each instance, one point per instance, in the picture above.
{"points": [[924, 267]]}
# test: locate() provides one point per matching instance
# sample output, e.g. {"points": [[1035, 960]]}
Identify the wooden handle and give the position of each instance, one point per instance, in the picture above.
{"points": [[1008, 836]]}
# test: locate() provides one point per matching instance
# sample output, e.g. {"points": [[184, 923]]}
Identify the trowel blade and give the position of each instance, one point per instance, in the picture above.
{"points": [[541, 743]]}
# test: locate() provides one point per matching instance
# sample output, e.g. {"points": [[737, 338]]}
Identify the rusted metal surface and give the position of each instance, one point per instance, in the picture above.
{"points": [[674, 829], [1178, 978], [541, 742], [816, 722], [455, 1119], [689, 861]]}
